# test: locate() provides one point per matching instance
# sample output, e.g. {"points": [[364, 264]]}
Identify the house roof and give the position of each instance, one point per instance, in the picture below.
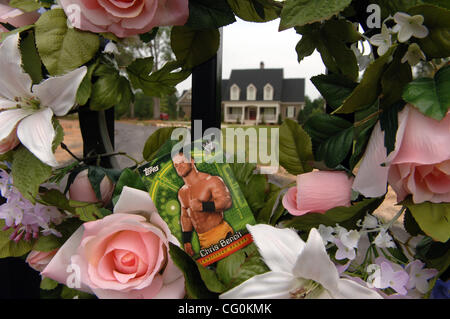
{"points": [[285, 90]]}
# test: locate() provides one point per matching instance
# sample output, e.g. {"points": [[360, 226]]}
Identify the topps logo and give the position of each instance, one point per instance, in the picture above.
{"points": [[150, 170]]}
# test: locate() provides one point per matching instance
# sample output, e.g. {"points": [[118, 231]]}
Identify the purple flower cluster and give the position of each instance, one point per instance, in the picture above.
{"points": [[25, 218]]}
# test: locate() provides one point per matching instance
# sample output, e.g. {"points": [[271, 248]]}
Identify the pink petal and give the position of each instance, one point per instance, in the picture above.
{"points": [[142, 21], [106, 267], [131, 11], [130, 241]]}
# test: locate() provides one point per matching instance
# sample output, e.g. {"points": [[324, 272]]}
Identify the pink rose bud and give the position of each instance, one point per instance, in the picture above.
{"points": [[125, 18], [9, 142], [123, 255], [419, 165], [38, 260], [82, 190], [16, 17], [318, 192]]}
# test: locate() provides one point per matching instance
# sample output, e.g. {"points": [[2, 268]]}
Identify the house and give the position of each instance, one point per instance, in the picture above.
{"points": [[256, 96]]}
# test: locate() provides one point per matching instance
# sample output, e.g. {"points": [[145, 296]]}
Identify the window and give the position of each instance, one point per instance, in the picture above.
{"points": [[268, 92], [234, 92], [251, 92], [290, 111]]}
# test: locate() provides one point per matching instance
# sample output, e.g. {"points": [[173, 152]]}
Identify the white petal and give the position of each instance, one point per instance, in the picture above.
{"points": [[271, 285], [279, 248], [402, 18], [314, 263], [14, 82], [9, 120], [6, 104], [348, 289], [59, 93], [36, 133], [405, 33], [132, 199], [419, 31]]}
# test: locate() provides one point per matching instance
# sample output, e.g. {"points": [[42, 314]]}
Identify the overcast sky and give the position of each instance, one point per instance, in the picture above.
{"points": [[246, 44]]}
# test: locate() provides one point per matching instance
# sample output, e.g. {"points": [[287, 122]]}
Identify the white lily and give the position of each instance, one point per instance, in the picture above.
{"points": [[298, 269], [409, 26], [26, 110]]}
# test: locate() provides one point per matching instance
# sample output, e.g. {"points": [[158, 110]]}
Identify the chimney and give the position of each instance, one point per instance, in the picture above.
{"points": [[261, 65]]}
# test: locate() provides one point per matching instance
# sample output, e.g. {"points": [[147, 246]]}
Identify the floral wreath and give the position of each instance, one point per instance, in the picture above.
{"points": [[317, 238]]}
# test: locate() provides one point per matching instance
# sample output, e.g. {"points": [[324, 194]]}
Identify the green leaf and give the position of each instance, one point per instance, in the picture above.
{"points": [[240, 266], [31, 61], [334, 88], [9, 248], [433, 219], [411, 225], [59, 136], [209, 14], [344, 216], [437, 20], [47, 243], [255, 10], [192, 47], [295, 148], [108, 89], [155, 141], [430, 96], [63, 49], [86, 211], [389, 125], [68, 293], [209, 278], [25, 5], [369, 88], [306, 46], [301, 12], [48, 284], [128, 178], [332, 138], [272, 209], [85, 88], [195, 287], [28, 173], [4, 35]]}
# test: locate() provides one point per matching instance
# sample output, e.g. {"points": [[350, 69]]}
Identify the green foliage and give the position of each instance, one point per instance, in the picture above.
{"points": [[430, 96], [389, 125], [85, 89], [334, 88], [433, 219], [128, 178], [310, 108], [344, 216], [255, 10], [48, 284], [331, 136], [61, 48], [31, 61], [28, 173], [9, 248], [209, 14], [296, 153], [302, 12], [155, 141], [25, 5], [192, 46]]}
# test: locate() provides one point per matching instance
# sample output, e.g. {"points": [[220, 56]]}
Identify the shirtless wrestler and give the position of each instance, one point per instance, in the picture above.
{"points": [[203, 200]]}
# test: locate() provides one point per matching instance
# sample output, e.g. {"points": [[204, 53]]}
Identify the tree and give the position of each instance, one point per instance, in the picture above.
{"points": [[311, 107]]}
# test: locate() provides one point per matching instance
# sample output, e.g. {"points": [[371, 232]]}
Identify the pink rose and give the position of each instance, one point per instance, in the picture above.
{"points": [[82, 190], [125, 18], [38, 260], [318, 192], [16, 17], [419, 164], [123, 255]]}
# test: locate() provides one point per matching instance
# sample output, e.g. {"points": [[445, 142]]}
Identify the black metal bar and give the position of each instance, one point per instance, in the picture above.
{"points": [[206, 92]]}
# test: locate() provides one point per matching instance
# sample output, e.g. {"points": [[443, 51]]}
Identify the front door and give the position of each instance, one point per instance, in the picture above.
{"points": [[252, 114]]}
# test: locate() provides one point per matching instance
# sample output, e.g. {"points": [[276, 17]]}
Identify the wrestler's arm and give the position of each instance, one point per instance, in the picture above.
{"points": [[220, 194]]}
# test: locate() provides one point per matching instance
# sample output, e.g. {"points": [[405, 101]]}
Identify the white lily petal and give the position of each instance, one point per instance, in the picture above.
{"points": [[6, 104], [9, 120], [270, 285], [132, 199], [314, 263], [36, 133], [279, 248], [419, 31], [405, 34], [348, 289], [14, 82], [401, 18], [59, 93]]}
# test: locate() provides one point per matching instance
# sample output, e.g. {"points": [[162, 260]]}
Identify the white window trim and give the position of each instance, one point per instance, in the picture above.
{"points": [[234, 97], [270, 96], [250, 97]]}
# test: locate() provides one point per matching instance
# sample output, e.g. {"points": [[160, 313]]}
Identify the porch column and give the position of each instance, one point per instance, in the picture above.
{"points": [[225, 114], [257, 115], [277, 113], [243, 115]]}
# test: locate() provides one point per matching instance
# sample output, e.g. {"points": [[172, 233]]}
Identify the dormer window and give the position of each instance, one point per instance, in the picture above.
{"points": [[234, 92], [251, 92], [268, 92]]}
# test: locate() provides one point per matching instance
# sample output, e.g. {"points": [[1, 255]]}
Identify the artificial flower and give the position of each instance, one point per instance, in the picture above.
{"points": [[123, 255], [326, 232], [82, 190], [370, 222], [413, 55], [382, 40], [362, 60], [385, 274], [347, 242], [38, 260], [384, 240], [419, 164], [419, 276], [297, 269], [125, 18], [317, 192], [27, 110], [409, 26], [15, 17]]}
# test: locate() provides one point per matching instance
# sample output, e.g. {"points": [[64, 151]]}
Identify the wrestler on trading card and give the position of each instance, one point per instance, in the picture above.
{"points": [[203, 200]]}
